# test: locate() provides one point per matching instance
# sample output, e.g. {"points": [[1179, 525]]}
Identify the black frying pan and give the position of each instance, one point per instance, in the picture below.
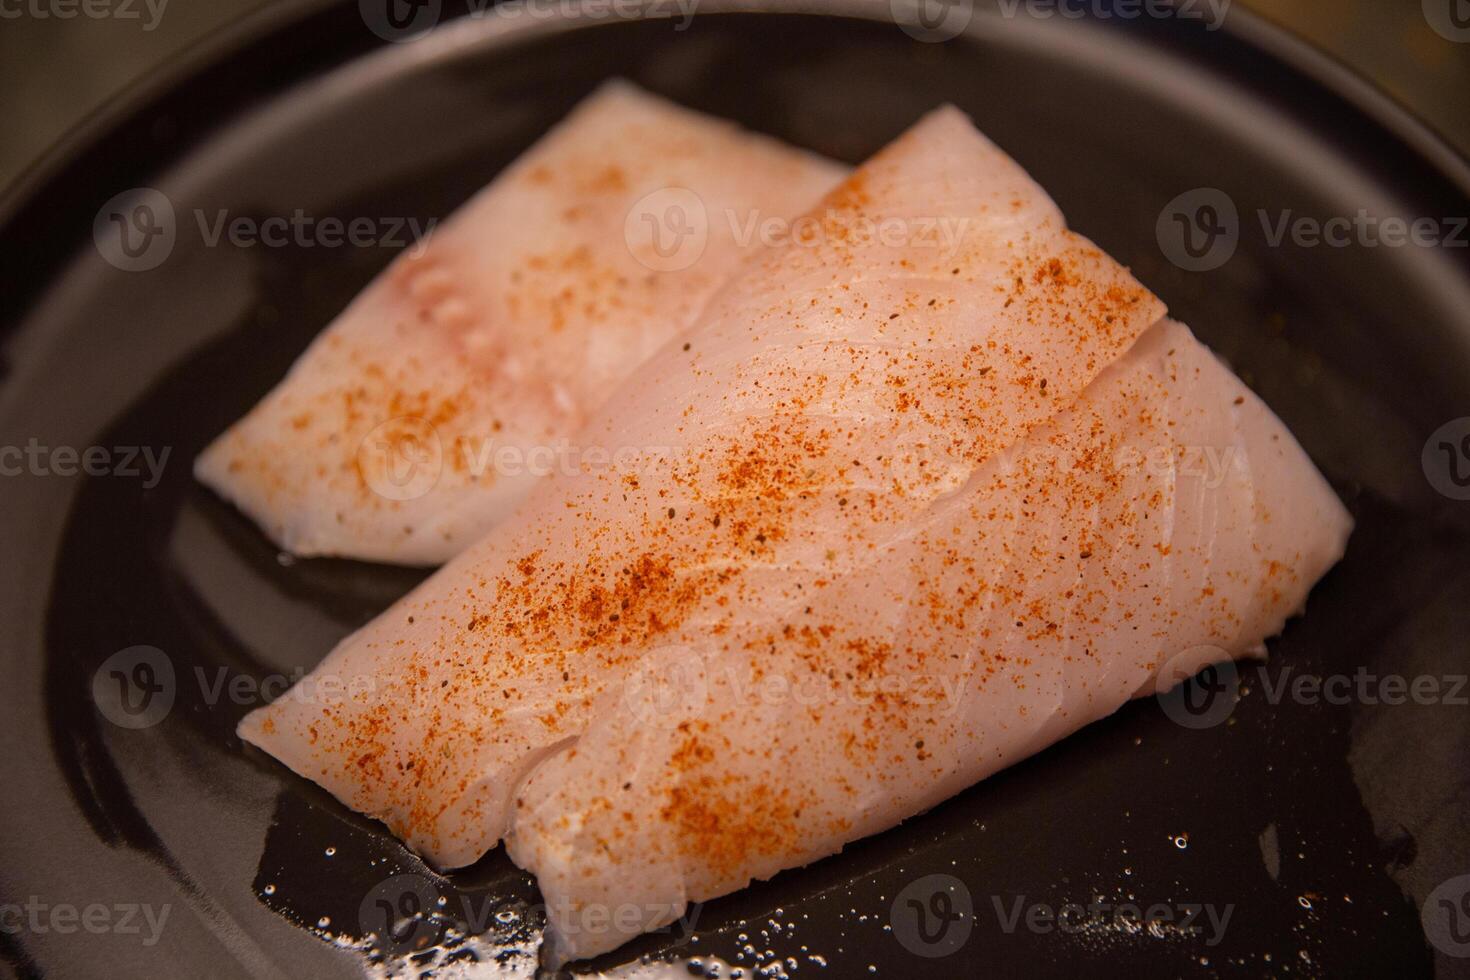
{"points": [[1331, 830]]}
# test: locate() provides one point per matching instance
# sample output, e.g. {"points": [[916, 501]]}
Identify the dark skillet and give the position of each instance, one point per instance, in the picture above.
{"points": [[1332, 829]]}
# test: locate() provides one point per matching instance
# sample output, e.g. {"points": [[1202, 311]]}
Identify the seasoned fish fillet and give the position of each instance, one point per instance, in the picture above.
{"points": [[428, 409], [880, 369], [1167, 518], [908, 503]]}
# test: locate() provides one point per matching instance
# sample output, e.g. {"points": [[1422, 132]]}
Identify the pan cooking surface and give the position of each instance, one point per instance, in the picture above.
{"points": [[1300, 828]]}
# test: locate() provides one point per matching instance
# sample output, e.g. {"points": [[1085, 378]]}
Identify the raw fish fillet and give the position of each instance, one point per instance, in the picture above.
{"points": [[902, 510], [496, 659], [1097, 560], [430, 407]]}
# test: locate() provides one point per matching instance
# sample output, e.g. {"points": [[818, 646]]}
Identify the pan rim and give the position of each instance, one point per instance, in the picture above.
{"points": [[125, 109]]}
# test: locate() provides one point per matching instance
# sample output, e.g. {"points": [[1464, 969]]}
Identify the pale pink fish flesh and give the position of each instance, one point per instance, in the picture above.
{"points": [[431, 406], [949, 466]]}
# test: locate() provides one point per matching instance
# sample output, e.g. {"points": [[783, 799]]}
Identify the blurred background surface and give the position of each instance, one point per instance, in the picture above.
{"points": [[56, 71]]}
